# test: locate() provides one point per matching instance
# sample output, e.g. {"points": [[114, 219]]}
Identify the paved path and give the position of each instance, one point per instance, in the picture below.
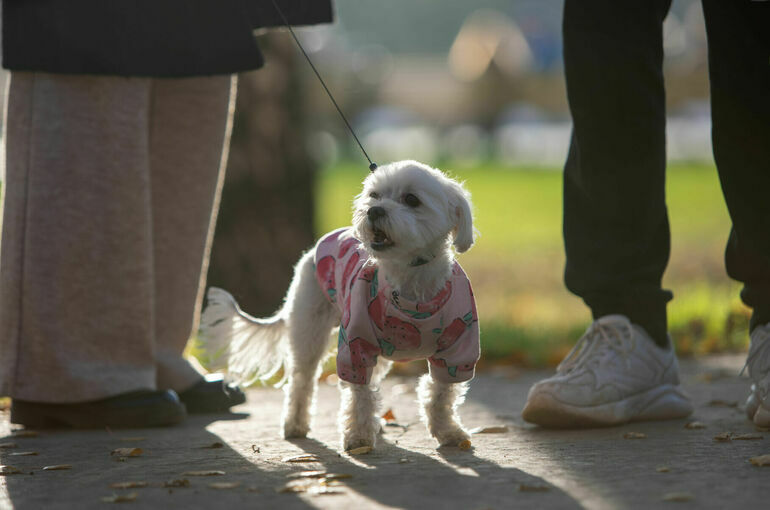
{"points": [[593, 469]]}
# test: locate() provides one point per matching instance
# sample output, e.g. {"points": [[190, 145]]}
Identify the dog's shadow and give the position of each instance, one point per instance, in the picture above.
{"points": [[445, 477]]}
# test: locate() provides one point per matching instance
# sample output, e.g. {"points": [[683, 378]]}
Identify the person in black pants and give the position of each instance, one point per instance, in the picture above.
{"points": [[616, 229]]}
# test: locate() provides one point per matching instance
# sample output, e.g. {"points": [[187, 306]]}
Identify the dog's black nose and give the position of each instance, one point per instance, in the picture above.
{"points": [[375, 212]]}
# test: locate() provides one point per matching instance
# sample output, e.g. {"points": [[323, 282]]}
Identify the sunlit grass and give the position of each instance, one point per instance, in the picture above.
{"points": [[516, 266]]}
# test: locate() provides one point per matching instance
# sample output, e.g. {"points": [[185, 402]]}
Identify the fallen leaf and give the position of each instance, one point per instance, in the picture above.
{"points": [[525, 487], [120, 498], [662, 469], [224, 485], [212, 472], [255, 448], [679, 497], [722, 403], [723, 437], [320, 490], [25, 433], [404, 461], [128, 485], [7, 445], [465, 444], [131, 439], [337, 476], [9, 470], [762, 460], [496, 429], [22, 454], [177, 482], [634, 435], [361, 450], [296, 486], [746, 437], [306, 457], [389, 416], [212, 446], [57, 467], [693, 425], [127, 452], [307, 474]]}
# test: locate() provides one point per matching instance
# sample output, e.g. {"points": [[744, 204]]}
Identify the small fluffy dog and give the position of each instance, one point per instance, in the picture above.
{"points": [[392, 286]]}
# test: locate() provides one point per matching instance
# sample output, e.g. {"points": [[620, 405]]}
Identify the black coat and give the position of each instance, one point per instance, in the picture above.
{"points": [[160, 38]]}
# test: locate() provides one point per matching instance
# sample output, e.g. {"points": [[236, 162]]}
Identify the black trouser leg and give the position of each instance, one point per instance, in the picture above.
{"points": [[616, 231], [739, 70]]}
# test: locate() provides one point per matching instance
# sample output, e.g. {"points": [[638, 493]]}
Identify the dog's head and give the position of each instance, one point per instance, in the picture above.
{"points": [[408, 210]]}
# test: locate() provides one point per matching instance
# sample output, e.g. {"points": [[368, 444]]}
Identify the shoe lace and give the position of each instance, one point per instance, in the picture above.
{"points": [[759, 350], [601, 338]]}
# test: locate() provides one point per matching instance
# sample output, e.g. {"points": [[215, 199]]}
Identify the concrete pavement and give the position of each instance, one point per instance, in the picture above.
{"points": [[525, 467]]}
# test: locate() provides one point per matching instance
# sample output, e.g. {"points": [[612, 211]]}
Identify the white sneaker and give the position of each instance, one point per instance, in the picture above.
{"points": [[758, 363], [613, 375]]}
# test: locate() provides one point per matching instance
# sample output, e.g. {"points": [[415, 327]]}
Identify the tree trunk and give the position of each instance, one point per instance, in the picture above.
{"points": [[266, 216]]}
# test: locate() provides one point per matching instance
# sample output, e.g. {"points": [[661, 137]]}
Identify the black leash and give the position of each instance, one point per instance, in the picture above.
{"points": [[372, 165]]}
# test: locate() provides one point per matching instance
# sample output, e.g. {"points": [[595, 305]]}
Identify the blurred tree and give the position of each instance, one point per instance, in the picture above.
{"points": [[266, 215]]}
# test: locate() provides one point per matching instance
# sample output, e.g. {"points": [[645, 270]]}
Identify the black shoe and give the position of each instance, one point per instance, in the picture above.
{"points": [[137, 409], [212, 395]]}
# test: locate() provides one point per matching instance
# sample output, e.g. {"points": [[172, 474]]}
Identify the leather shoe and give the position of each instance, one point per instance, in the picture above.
{"points": [[212, 394], [136, 409]]}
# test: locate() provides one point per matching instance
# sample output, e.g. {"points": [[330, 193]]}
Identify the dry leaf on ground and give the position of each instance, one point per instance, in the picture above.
{"points": [[224, 485], [722, 403], [679, 497], [128, 485], [310, 486], [694, 425], [306, 457], [120, 498], [177, 482], [25, 433], [255, 449], [723, 437], [127, 452], [361, 450], [7, 445], [762, 460], [212, 472], [747, 437], [662, 469], [634, 435], [495, 429], [22, 454], [58, 467], [526, 487], [9, 470], [465, 444], [212, 446], [388, 416]]}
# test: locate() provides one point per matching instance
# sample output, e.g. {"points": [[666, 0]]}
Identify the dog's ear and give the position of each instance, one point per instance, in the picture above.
{"points": [[460, 208]]}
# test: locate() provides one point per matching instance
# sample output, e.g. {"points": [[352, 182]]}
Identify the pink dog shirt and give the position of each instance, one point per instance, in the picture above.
{"points": [[376, 321]]}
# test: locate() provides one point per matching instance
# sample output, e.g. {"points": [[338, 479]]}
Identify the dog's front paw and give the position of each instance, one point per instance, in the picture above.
{"points": [[357, 439], [454, 436]]}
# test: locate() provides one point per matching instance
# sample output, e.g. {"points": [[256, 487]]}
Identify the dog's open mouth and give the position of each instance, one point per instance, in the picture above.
{"points": [[380, 240]]}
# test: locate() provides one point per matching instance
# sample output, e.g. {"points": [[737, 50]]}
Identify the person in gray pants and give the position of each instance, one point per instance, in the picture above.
{"points": [[117, 126]]}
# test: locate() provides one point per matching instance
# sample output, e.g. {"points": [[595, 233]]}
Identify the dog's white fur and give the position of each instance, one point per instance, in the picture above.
{"points": [[297, 336]]}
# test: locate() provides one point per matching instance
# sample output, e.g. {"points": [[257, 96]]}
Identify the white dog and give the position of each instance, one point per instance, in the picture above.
{"points": [[392, 286]]}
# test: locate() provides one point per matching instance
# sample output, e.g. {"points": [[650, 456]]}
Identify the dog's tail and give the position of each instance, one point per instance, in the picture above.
{"points": [[249, 349]]}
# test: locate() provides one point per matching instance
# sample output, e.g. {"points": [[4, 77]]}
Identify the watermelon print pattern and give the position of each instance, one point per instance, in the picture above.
{"points": [[444, 330]]}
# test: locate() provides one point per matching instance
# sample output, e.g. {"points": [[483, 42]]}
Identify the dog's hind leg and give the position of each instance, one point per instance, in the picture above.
{"points": [[438, 407], [310, 320]]}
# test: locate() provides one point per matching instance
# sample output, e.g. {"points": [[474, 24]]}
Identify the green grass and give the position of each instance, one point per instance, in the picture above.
{"points": [[516, 265]]}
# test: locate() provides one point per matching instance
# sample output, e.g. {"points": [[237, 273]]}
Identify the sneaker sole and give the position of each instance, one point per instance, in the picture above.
{"points": [[664, 402]]}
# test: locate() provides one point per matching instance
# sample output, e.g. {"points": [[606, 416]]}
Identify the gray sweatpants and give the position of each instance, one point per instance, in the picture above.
{"points": [[110, 191]]}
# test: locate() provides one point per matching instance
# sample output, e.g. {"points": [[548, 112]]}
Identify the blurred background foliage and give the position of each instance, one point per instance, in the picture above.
{"points": [[477, 89]]}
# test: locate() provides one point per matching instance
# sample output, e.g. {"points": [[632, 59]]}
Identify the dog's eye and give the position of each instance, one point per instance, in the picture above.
{"points": [[374, 194], [411, 200]]}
